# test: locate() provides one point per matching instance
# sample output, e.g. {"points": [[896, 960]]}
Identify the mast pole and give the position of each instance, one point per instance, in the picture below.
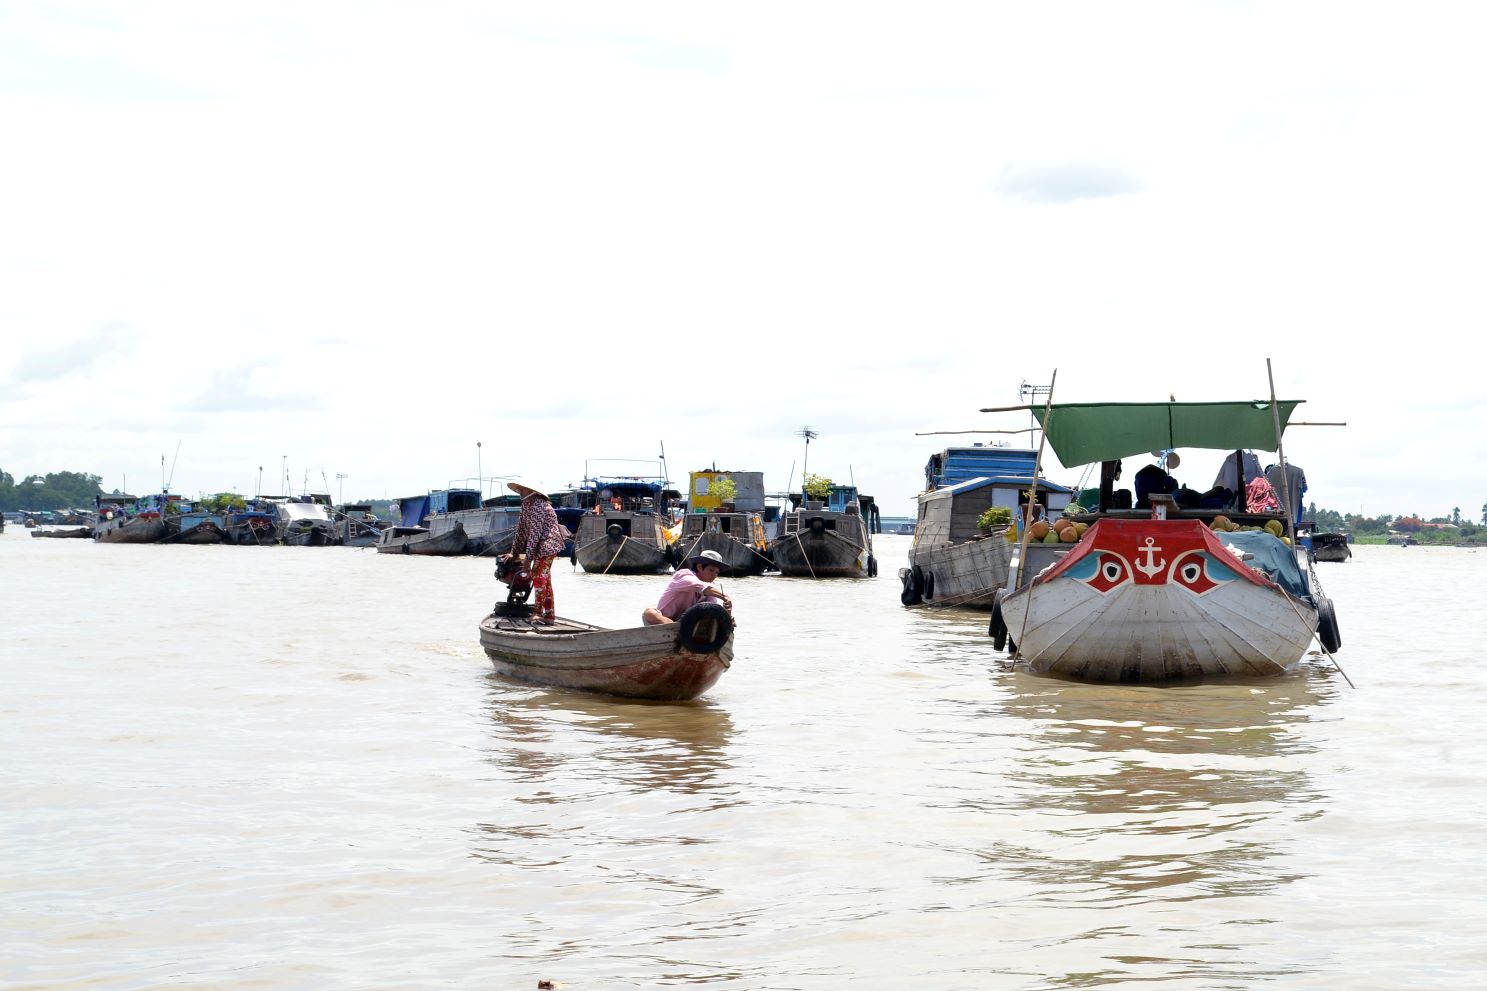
{"points": [[1027, 527]]}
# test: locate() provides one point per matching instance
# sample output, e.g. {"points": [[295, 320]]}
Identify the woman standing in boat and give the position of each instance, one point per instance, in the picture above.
{"points": [[539, 538]]}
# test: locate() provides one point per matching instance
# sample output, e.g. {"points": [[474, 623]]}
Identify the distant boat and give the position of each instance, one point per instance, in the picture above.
{"points": [[420, 540], [954, 562], [826, 538], [194, 527], [304, 521], [356, 526], [255, 523], [1330, 547], [488, 524], [62, 531], [135, 521], [628, 533]]}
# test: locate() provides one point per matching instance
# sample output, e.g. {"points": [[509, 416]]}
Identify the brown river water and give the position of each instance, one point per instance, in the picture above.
{"points": [[271, 768]]}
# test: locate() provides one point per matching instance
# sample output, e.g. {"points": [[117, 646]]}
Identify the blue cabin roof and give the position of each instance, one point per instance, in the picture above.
{"points": [[959, 464]]}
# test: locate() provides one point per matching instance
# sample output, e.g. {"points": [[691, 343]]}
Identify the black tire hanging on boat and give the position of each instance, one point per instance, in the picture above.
{"points": [[998, 628], [1327, 631], [912, 594], [872, 566], [702, 613], [816, 525], [615, 531], [929, 585]]}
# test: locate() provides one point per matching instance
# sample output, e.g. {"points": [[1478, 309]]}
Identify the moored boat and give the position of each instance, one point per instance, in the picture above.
{"points": [[724, 514], [126, 520], [825, 538], [628, 532], [1169, 591], [420, 540], [251, 523], [954, 561], [356, 526], [672, 662], [304, 521]]}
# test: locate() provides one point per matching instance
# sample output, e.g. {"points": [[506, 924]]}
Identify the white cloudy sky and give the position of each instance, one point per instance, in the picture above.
{"points": [[358, 238]]}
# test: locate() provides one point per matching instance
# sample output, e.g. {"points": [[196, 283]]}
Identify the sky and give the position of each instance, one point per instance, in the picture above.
{"points": [[381, 248]]}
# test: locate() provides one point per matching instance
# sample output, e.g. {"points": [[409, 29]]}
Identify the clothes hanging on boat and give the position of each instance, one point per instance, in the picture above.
{"points": [[1228, 476], [1259, 497]]}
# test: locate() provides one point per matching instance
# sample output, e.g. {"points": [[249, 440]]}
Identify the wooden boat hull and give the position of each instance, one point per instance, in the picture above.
{"points": [[739, 558], [1331, 547], [1144, 601], [826, 554], [642, 662], [966, 574], [450, 543], [202, 533], [602, 546], [137, 530]]}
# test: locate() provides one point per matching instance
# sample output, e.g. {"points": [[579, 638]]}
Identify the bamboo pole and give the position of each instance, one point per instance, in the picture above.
{"points": [[1285, 480], [1032, 499]]}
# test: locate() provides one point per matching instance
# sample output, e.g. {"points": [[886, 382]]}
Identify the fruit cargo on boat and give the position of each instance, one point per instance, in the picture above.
{"points": [[1162, 593]]}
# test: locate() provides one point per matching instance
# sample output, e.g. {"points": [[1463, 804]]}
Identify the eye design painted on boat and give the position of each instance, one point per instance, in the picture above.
{"points": [[1191, 572], [1110, 571]]}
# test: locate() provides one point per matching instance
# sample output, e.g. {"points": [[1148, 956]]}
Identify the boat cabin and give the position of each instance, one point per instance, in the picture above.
{"points": [[949, 515]]}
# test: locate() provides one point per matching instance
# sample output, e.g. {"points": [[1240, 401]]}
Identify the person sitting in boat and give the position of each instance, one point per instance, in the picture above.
{"points": [[688, 587], [539, 538], [1154, 478]]}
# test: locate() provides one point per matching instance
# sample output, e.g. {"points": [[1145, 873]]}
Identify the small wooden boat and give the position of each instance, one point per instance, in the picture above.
{"points": [[1330, 547], [62, 531], [673, 662], [1172, 591], [420, 540]]}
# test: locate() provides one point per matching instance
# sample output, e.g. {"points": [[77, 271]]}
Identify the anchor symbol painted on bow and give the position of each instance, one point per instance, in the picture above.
{"points": [[1150, 567]]}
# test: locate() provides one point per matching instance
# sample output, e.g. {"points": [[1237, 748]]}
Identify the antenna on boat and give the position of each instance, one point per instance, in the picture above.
{"points": [[809, 436], [665, 471], [258, 489], [479, 471], [1028, 392]]}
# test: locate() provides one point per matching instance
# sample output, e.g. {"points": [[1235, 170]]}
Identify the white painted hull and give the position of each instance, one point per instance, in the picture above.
{"points": [[1157, 633]]}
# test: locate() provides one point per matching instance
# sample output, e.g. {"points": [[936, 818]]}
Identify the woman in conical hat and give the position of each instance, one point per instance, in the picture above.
{"points": [[539, 538]]}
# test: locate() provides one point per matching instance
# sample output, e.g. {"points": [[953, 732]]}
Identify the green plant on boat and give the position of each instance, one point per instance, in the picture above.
{"points": [[817, 486], [725, 489], [995, 516]]}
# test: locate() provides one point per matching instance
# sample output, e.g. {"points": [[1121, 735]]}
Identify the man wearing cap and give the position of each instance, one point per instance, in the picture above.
{"points": [[539, 538], [688, 587]]}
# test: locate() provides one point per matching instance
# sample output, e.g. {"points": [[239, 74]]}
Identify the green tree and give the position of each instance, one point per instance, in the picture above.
{"points": [[817, 486], [1456, 515]]}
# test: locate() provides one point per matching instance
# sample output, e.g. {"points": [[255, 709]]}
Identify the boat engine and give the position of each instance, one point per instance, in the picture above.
{"points": [[514, 574]]}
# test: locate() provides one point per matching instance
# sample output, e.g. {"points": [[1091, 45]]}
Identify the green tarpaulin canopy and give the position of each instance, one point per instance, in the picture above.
{"points": [[1084, 432]]}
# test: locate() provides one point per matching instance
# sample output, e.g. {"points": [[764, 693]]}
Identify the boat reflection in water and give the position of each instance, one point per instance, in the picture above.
{"points": [[1172, 806]]}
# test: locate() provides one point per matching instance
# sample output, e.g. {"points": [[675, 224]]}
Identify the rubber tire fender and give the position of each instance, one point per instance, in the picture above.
{"points": [[1327, 631], [913, 587], [872, 566], [816, 525], [615, 531], [695, 617], [997, 630], [929, 585]]}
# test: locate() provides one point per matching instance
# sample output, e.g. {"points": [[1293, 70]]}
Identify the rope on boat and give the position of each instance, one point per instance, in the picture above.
{"points": [[803, 554], [623, 542]]}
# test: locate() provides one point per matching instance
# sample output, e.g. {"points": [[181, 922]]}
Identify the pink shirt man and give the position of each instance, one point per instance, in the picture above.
{"points": [[684, 592]]}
